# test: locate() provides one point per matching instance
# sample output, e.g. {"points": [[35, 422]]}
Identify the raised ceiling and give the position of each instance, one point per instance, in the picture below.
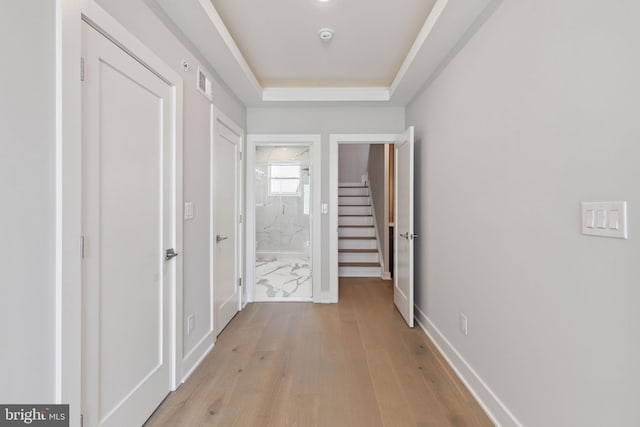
{"points": [[383, 51], [279, 39]]}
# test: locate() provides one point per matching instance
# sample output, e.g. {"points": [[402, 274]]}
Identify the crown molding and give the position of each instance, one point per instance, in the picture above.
{"points": [[447, 28]]}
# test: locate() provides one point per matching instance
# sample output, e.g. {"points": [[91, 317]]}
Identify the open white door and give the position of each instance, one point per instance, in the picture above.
{"points": [[404, 235], [227, 149], [129, 222]]}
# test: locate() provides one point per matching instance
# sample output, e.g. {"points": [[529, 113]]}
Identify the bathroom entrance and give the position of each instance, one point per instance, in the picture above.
{"points": [[282, 181]]}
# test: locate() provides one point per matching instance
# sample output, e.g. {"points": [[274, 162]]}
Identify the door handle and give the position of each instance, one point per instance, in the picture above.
{"points": [[170, 254], [220, 238], [408, 236]]}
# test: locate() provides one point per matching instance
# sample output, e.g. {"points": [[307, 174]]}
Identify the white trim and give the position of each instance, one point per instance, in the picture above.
{"points": [[334, 141], [314, 141], [224, 33], [495, 409], [447, 27], [305, 94], [68, 281], [178, 290], [426, 29], [195, 357]]}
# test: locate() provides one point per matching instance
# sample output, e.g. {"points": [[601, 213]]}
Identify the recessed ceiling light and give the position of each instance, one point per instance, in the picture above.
{"points": [[323, 1], [325, 33]]}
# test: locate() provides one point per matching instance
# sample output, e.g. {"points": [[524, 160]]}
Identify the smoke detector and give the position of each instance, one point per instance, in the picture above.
{"points": [[325, 34]]}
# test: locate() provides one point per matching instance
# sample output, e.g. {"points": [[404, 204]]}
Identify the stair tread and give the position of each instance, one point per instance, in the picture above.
{"points": [[356, 238], [358, 251], [359, 264], [355, 226]]}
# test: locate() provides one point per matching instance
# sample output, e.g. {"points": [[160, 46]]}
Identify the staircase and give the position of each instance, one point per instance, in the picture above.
{"points": [[357, 243]]}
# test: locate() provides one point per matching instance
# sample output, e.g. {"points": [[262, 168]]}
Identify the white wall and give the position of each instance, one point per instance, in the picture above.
{"points": [[538, 112], [353, 160], [27, 189], [140, 20], [324, 121]]}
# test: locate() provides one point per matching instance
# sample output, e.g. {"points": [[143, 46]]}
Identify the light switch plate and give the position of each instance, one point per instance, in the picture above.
{"points": [[605, 219], [188, 210], [325, 208]]}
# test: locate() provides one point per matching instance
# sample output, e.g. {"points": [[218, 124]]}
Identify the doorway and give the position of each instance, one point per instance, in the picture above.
{"points": [[283, 217], [403, 231]]}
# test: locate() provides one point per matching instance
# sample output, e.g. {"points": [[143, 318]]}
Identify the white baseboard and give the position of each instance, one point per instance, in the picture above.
{"points": [[490, 403], [193, 359]]}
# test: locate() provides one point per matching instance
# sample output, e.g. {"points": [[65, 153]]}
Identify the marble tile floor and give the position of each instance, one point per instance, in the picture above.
{"points": [[283, 277]]}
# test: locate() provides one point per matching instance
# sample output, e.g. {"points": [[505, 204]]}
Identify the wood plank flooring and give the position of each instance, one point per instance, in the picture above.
{"points": [[355, 363]]}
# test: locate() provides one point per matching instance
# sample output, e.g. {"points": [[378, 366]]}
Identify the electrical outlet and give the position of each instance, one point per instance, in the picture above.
{"points": [[464, 324], [191, 323]]}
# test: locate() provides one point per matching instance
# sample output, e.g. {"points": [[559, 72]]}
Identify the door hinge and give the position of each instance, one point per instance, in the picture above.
{"points": [[241, 156], [81, 69], [240, 282], [81, 420], [240, 218], [82, 247]]}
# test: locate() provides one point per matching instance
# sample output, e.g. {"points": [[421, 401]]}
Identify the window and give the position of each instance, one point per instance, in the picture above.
{"points": [[284, 179]]}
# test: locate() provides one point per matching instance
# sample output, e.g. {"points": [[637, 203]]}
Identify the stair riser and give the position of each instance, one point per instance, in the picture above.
{"points": [[359, 271], [357, 244], [358, 257], [355, 220], [354, 210], [353, 201], [353, 191], [356, 232]]}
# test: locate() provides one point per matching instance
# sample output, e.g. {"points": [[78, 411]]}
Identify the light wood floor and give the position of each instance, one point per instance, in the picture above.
{"points": [[355, 363]]}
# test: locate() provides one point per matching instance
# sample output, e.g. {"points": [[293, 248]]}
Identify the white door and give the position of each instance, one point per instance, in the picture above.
{"points": [[404, 235], [128, 220], [227, 146]]}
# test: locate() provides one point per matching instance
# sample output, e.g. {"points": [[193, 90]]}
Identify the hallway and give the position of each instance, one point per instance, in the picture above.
{"points": [[300, 364]]}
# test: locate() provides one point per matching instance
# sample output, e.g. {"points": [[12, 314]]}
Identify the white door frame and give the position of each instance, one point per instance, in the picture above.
{"points": [[334, 142], [68, 363], [314, 142]]}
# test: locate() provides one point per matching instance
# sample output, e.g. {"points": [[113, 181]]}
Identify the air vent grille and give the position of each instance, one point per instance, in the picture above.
{"points": [[204, 84]]}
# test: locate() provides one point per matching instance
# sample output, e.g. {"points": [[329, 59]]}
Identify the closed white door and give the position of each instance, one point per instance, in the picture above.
{"points": [[227, 146], [128, 221], [404, 233]]}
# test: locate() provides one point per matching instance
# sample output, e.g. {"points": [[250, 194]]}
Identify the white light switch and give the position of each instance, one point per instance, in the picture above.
{"points": [[605, 219], [601, 218], [613, 220], [325, 208], [589, 218], [188, 210]]}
